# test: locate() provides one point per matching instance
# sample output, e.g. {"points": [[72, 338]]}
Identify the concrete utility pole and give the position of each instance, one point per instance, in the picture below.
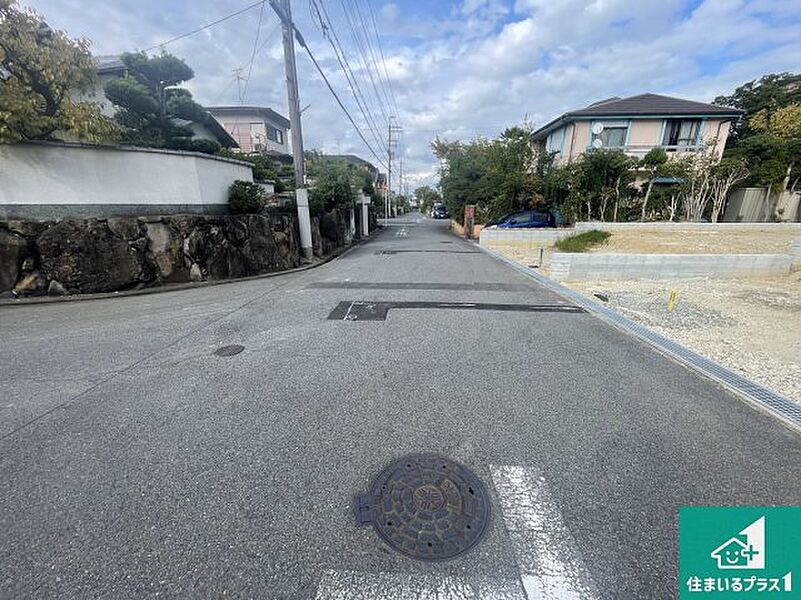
{"points": [[393, 129], [284, 12]]}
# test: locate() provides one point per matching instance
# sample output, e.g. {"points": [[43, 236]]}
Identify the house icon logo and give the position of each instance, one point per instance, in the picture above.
{"points": [[746, 550]]}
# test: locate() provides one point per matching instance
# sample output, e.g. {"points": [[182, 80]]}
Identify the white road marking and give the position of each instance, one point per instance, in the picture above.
{"points": [[353, 585], [347, 314], [550, 566]]}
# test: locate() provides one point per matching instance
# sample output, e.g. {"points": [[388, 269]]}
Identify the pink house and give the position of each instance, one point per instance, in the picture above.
{"points": [[637, 124], [255, 128]]}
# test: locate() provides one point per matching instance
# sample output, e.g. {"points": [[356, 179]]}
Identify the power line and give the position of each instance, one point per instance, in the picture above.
{"points": [[207, 26], [383, 58], [344, 64], [255, 48], [356, 35], [341, 105]]}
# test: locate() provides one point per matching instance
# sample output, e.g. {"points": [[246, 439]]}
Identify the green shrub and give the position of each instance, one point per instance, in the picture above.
{"points": [[582, 242], [245, 197]]}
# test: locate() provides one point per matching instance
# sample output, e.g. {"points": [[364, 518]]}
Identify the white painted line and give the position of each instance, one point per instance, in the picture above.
{"points": [[550, 566], [354, 585], [347, 314]]}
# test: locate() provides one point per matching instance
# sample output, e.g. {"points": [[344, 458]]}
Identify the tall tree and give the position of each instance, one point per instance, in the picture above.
{"points": [[39, 67], [152, 108], [770, 92]]}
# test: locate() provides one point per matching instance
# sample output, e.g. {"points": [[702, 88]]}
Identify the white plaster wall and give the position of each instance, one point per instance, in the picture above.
{"points": [[67, 174]]}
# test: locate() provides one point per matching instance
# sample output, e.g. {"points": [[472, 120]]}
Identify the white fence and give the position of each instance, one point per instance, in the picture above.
{"points": [[53, 180]]}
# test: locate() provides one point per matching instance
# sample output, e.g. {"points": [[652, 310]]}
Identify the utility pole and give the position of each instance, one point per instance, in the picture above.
{"points": [[393, 129], [284, 12]]}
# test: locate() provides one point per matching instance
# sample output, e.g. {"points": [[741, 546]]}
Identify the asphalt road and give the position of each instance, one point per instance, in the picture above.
{"points": [[134, 463]]}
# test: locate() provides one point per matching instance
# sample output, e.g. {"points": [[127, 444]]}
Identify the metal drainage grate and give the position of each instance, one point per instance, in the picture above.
{"points": [[778, 405], [392, 252], [426, 506], [229, 350]]}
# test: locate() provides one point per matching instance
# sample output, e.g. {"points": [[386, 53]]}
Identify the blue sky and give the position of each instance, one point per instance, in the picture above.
{"points": [[460, 68]]}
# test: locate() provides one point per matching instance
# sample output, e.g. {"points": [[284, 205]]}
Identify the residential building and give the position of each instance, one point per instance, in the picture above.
{"points": [[357, 162], [255, 128], [637, 124]]}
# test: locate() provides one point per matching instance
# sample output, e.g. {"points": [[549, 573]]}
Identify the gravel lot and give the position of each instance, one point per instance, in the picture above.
{"points": [[686, 241], [753, 326]]}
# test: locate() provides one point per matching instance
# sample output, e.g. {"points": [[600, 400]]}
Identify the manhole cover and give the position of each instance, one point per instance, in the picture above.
{"points": [[229, 350], [426, 506]]}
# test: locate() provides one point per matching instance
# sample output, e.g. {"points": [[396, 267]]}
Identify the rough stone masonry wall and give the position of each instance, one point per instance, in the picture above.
{"points": [[81, 256]]}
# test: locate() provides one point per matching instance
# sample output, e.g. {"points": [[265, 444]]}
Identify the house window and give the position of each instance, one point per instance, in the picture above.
{"points": [[609, 134], [681, 132], [275, 135]]}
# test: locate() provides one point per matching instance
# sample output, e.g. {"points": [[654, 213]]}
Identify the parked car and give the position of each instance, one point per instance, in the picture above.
{"points": [[524, 219], [440, 212]]}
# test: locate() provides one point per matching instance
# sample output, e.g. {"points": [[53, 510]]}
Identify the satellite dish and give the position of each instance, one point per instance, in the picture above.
{"points": [[597, 144], [597, 128]]}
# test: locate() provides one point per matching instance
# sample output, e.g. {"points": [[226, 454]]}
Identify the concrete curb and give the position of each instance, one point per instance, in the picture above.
{"points": [[177, 287], [758, 396]]}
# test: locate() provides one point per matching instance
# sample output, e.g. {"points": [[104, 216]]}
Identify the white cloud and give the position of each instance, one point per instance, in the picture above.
{"points": [[476, 67]]}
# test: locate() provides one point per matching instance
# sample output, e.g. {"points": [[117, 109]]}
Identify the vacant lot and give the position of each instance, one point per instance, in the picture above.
{"points": [[752, 326], [685, 241]]}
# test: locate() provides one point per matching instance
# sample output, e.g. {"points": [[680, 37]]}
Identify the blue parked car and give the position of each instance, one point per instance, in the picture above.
{"points": [[525, 219]]}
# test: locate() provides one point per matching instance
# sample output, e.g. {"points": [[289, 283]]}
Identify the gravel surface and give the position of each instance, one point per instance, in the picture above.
{"points": [[655, 241], [747, 325]]}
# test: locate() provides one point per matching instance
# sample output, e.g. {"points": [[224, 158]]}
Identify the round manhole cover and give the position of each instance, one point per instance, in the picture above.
{"points": [[229, 350], [427, 507]]}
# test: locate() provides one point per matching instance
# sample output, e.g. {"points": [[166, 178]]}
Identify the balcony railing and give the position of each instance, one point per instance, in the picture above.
{"points": [[639, 151]]}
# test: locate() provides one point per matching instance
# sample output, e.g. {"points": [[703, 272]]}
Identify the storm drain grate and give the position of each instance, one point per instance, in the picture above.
{"points": [[426, 506], [391, 252], [782, 407], [420, 285], [377, 311], [231, 350]]}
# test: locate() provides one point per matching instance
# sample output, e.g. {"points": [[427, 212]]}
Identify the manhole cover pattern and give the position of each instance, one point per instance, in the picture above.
{"points": [[429, 507], [229, 350]]}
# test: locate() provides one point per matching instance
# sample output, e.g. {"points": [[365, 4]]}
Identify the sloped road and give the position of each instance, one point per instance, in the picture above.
{"points": [[134, 463]]}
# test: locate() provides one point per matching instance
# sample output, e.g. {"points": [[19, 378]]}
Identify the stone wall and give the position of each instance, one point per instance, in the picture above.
{"points": [[82, 256]]}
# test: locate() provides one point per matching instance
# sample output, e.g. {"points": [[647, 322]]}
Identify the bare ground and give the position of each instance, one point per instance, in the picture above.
{"points": [[654, 241], [746, 325]]}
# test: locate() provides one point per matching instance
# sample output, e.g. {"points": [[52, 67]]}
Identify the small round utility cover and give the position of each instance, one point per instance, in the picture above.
{"points": [[229, 350], [427, 507]]}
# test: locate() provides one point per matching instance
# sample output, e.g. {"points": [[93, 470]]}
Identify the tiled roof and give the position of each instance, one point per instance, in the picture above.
{"points": [[642, 105]]}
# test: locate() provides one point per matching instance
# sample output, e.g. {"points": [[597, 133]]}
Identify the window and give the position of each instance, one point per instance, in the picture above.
{"points": [[681, 132], [612, 134], [554, 141], [275, 135]]}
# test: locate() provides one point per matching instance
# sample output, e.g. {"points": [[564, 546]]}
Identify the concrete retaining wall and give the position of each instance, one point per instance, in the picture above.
{"points": [[577, 267], [55, 180], [522, 238]]}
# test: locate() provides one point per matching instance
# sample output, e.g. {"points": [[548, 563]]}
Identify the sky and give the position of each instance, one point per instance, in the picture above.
{"points": [[457, 69]]}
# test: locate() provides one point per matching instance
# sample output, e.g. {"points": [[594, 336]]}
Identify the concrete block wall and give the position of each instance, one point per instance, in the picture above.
{"points": [[522, 238], [577, 267], [795, 253]]}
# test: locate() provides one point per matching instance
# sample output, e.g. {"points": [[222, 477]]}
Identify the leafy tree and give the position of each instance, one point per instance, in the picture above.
{"points": [[245, 197], [498, 176], [151, 107], [334, 184], [427, 197], [706, 182], [606, 175], [39, 67], [784, 124], [770, 92], [265, 167]]}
